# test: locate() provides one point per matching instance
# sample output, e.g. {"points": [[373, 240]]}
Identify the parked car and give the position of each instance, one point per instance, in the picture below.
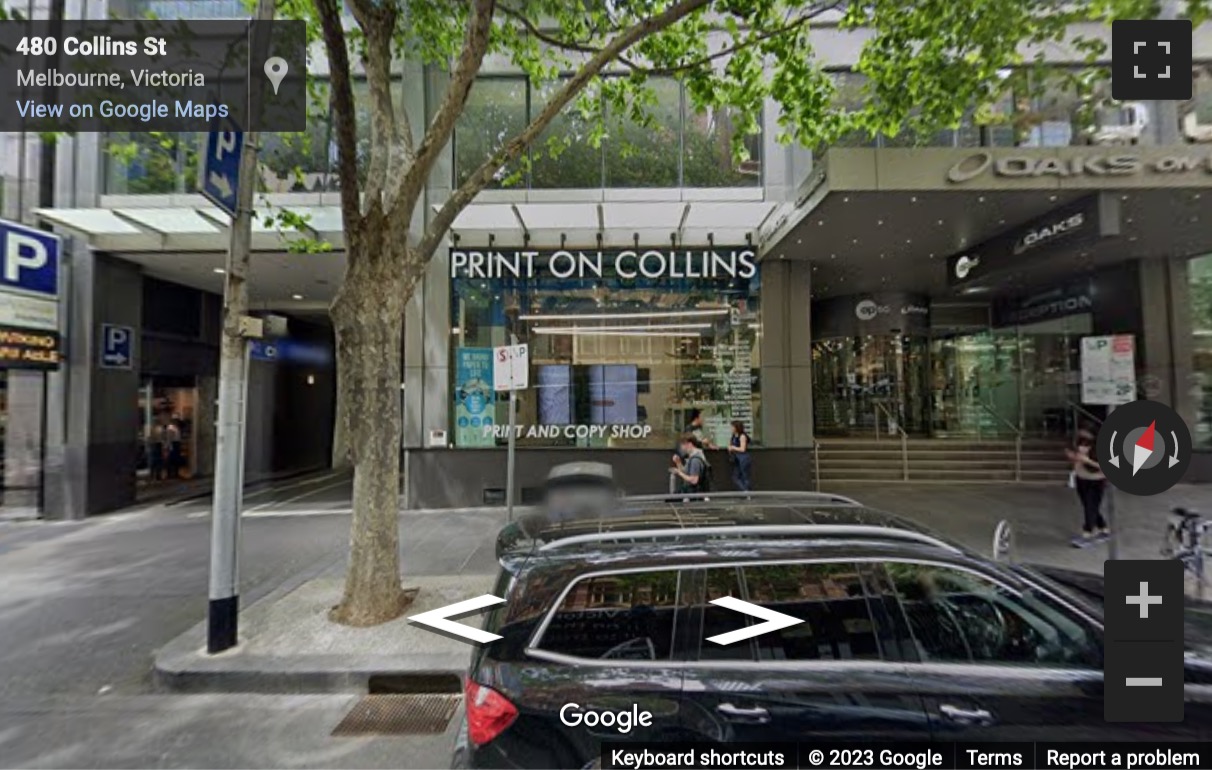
{"points": [[906, 636]]}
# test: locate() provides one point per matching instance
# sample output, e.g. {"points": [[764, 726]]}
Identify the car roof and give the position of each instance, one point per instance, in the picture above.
{"points": [[636, 524]]}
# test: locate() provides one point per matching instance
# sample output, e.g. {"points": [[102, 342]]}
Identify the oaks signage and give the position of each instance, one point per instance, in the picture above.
{"points": [[1075, 225], [1087, 165]]}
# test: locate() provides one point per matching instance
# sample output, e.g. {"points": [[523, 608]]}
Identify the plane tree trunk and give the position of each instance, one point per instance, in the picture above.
{"points": [[368, 316]]}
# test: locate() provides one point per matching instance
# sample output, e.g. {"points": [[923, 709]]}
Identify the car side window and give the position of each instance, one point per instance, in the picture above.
{"points": [[625, 616], [828, 598], [958, 616]]}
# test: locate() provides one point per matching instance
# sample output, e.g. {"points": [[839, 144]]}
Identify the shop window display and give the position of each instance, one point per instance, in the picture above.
{"points": [[615, 361]]}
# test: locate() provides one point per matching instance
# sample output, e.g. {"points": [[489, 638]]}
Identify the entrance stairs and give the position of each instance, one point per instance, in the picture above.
{"points": [[944, 460]]}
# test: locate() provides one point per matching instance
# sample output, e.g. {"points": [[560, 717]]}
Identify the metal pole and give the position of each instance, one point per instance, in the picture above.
{"points": [[224, 607], [509, 461], [1113, 541]]}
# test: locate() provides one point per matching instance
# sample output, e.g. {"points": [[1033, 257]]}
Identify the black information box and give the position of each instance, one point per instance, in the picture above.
{"points": [[875, 755]]}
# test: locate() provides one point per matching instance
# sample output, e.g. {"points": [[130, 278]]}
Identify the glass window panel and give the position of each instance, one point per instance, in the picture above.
{"points": [[1200, 276], [495, 113], [563, 157], [642, 156], [616, 617], [150, 163], [179, 9], [828, 597], [721, 582], [616, 362], [302, 161], [707, 159], [957, 616]]}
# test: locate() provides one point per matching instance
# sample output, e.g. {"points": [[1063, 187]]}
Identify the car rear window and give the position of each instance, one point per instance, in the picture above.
{"points": [[625, 616]]}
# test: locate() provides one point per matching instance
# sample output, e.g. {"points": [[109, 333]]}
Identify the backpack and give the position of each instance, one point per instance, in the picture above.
{"points": [[705, 478]]}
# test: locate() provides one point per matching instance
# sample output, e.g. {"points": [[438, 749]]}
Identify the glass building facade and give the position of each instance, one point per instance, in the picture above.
{"points": [[616, 361]]}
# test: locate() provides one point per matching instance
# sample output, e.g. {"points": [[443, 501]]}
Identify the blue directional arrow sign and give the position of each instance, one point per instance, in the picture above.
{"points": [[221, 168]]}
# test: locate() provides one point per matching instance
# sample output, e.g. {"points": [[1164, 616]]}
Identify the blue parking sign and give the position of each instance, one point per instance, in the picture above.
{"points": [[30, 260], [117, 346], [221, 170]]}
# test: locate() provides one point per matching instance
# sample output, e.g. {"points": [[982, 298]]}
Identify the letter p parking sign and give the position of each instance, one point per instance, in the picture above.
{"points": [[30, 260]]}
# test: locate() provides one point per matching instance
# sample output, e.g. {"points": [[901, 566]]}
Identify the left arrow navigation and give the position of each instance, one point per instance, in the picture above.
{"points": [[774, 620], [438, 618]]}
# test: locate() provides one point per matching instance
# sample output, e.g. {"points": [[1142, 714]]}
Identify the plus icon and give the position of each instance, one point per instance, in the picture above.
{"points": [[1144, 600], [1151, 59]]}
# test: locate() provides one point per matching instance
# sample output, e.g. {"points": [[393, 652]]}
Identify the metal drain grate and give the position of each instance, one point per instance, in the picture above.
{"points": [[418, 714]]}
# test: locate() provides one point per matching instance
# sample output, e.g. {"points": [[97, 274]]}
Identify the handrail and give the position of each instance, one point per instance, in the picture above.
{"points": [[1018, 437], [880, 407], [1079, 409], [816, 530]]}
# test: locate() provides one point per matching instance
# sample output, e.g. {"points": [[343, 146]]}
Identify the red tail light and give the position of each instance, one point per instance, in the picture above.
{"points": [[488, 713]]}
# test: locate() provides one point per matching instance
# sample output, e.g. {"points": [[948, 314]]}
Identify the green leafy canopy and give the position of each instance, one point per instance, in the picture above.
{"points": [[926, 64]]}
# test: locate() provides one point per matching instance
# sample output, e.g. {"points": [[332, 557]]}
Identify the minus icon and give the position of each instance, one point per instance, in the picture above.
{"points": [[1143, 681]]}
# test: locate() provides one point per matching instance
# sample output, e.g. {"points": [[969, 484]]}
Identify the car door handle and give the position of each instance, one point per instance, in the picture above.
{"points": [[755, 714], [966, 716]]}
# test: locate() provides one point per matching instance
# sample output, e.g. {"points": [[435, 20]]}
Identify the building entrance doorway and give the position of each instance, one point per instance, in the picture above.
{"points": [[984, 384], [871, 382]]}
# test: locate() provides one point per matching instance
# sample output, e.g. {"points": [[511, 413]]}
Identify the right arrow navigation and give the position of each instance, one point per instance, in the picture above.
{"points": [[774, 620]]}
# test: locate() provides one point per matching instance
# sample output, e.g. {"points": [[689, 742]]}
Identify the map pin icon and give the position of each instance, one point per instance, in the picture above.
{"points": [[275, 69]]}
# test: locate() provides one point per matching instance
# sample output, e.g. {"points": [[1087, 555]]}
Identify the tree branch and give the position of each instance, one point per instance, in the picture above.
{"points": [[462, 78], [385, 144], [533, 29], [799, 21], [341, 95], [480, 178], [584, 47]]}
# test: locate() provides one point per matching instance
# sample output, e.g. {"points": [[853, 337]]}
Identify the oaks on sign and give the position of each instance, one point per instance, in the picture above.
{"points": [[1095, 165]]}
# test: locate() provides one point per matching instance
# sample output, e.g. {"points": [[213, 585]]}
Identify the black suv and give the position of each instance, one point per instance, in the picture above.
{"points": [[905, 636]]}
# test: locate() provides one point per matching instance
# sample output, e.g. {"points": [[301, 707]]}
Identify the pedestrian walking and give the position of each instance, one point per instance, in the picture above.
{"points": [[155, 451], [694, 471], [694, 428], [1088, 479], [176, 458], [738, 455]]}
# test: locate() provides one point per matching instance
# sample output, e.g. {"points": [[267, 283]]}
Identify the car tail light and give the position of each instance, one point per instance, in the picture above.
{"points": [[488, 713]]}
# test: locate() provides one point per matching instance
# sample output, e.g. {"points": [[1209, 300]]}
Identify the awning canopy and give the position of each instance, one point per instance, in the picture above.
{"points": [[130, 229], [614, 223], [195, 225]]}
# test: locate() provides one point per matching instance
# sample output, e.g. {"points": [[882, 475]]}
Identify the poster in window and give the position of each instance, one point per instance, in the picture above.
{"points": [[613, 394], [475, 401], [555, 394]]}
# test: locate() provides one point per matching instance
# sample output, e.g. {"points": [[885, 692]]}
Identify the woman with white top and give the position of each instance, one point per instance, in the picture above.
{"points": [[1090, 482]]}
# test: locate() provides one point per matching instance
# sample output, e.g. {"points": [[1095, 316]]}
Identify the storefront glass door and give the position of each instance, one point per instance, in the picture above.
{"points": [[861, 381], [985, 384], [974, 384]]}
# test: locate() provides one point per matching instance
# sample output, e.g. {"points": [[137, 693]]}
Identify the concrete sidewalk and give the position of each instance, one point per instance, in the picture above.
{"points": [[288, 645], [1045, 518]]}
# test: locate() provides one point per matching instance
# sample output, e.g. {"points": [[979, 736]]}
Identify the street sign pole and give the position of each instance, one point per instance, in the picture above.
{"points": [[513, 440], [224, 605], [1113, 541]]}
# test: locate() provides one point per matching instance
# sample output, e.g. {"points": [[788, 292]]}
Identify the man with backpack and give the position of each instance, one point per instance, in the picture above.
{"points": [[692, 466]]}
